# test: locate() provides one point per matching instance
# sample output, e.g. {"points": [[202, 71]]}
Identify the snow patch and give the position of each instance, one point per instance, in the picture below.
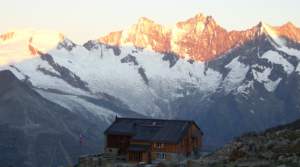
{"points": [[276, 58], [263, 77], [290, 51], [39, 79], [298, 69], [245, 88], [236, 75]]}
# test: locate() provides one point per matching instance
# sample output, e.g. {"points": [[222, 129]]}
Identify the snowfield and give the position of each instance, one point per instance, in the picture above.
{"points": [[145, 81], [276, 58]]}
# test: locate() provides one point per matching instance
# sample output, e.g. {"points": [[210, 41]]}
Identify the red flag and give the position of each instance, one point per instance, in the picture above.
{"points": [[80, 139]]}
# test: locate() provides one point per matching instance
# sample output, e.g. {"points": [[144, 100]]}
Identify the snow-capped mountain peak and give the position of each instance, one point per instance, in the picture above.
{"points": [[32, 35], [145, 20], [287, 31], [145, 34], [7, 36], [269, 29], [289, 25], [290, 31], [19, 45], [186, 39], [198, 19], [199, 38]]}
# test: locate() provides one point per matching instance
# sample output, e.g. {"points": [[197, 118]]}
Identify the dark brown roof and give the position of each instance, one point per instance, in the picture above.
{"points": [[154, 130]]}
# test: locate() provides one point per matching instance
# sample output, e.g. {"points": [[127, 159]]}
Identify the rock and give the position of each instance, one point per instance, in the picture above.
{"points": [[280, 146], [268, 155], [281, 157], [282, 166], [270, 144]]}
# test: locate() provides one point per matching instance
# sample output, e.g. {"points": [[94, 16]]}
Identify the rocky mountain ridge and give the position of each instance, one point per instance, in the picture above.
{"points": [[37, 132], [275, 147], [198, 38]]}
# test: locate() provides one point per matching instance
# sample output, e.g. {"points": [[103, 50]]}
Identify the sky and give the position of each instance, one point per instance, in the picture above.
{"points": [[82, 20]]}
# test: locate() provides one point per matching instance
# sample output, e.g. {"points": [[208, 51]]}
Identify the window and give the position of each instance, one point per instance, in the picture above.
{"points": [[161, 155], [159, 145]]}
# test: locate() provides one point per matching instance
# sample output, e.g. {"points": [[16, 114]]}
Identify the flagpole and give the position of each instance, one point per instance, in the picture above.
{"points": [[80, 143]]}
